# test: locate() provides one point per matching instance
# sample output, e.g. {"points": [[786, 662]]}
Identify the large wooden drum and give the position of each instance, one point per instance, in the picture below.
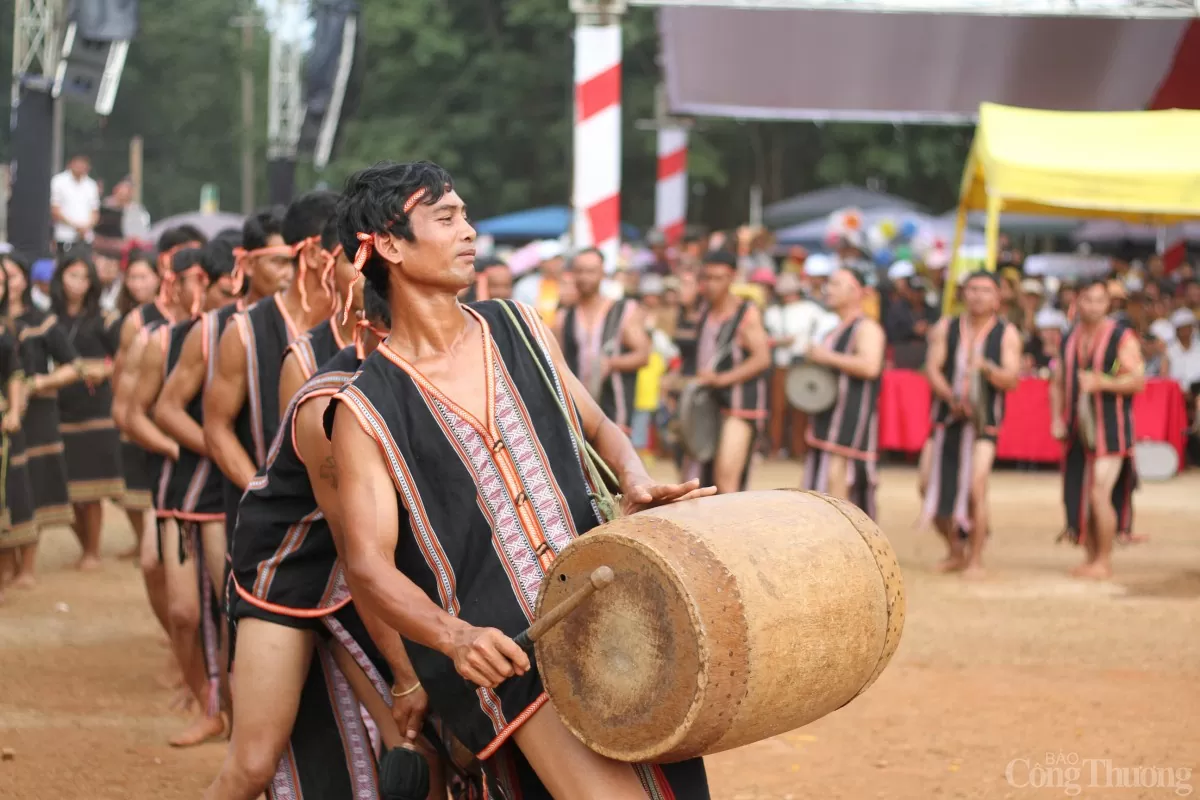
{"points": [[731, 619]]}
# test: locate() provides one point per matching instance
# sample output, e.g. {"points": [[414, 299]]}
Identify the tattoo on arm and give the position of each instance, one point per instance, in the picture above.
{"points": [[329, 472]]}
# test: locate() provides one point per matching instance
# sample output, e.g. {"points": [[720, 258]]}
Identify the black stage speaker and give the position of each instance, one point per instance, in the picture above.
{"points": [[94, 50], [333, 76], [29, 202]]}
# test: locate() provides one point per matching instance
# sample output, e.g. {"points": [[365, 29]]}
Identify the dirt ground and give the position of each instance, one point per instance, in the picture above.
{"points": [[998, 688]]}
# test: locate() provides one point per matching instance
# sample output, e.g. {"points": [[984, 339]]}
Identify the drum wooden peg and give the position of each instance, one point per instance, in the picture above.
{"points": [[600, 578]]}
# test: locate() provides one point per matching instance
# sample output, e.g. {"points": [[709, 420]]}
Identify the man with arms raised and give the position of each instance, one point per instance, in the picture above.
{"points": [[843, 440], [964, 440], [603, 341], [1101, 367], [241, 401], [459, 471]]}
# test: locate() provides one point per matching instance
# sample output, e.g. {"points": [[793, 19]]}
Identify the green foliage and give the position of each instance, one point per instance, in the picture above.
{"points": [[483, 87]]}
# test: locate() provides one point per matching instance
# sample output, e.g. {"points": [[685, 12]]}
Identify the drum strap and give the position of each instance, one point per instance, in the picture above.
{"points": [[599, 473]]}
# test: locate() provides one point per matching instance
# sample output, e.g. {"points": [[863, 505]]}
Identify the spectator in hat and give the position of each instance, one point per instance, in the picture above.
{"points": [[543, 289], [40, 276], [1184, 352], [908, 318], [1050, 325]]}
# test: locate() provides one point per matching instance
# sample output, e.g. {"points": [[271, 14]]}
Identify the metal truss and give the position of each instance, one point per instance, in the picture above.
{"points": [[1124, 9]]}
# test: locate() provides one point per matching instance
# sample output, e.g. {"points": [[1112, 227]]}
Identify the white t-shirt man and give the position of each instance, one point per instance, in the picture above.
{"points": [[1184, 362], [77, 200], [802, 321]]}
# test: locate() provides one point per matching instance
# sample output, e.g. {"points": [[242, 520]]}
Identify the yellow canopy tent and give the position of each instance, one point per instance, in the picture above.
{"points": [[1138, 166]]}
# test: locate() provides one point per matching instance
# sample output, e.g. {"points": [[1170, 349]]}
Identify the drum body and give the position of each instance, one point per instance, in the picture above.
{"points": [[977, 398], [699, 422], [732, 619], [1155, 461], [1085, 416], [810, 388]]}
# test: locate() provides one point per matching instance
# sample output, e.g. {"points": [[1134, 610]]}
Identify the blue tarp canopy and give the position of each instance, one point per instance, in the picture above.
{"points": [[547, 222]]}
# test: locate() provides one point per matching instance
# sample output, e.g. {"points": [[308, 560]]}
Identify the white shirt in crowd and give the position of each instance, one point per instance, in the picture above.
{"points": [[76, 199], [1184, 364], [803, 321]]}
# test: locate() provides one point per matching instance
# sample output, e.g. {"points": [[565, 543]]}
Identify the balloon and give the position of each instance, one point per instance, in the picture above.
{"points": [[908, 229], [888, 228], [853, 219], [884, 257], [904, 253], [832, 238]]}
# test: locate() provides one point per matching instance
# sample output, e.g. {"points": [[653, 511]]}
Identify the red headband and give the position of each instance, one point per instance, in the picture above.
{"points": [[199, 298], [366, 246], [240, 255]]}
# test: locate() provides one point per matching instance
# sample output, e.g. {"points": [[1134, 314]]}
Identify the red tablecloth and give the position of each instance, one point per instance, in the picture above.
{"points": [[1159, 414]]}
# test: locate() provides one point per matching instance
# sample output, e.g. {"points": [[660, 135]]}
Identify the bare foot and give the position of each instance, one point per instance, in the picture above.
{"points": [[202, 729], [131, 554], [88, 564], [24, 581], [950, 564], [1094, 571], [973, 572]]}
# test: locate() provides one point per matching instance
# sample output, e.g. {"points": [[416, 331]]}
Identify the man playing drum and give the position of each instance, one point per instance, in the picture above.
{"points": [[1091, 397], [731, 358], [604, 341], [974, 351], [459, 461], [843, 440]]}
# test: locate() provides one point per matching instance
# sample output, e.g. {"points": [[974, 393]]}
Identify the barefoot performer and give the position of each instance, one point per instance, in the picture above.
{"points": [[191, 535], [50, 363], [290, 730], [963, 447], [91, 442], [844, 439], [241, 401], [604, 341], [141, 469], [1101, 359], [461, 475], [731, 357], [17, 526]]}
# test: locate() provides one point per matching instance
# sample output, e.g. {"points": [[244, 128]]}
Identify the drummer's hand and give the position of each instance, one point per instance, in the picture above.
{"points": [[11, 422], [486, 657], [646, 493], [1058, 429], [817, 354], [706, 377], [409, 712], [1088, 381]]}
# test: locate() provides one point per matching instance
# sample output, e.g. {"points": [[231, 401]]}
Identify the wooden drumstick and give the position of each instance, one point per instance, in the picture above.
{"points": [[600, 578]]}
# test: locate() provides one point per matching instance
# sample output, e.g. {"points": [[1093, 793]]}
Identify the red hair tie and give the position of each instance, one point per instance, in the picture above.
{"points": [[240, 254], [366, 246]]}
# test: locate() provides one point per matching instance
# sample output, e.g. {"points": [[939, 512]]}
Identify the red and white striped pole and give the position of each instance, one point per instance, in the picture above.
{"points": [[671, 191], [597, 154]]}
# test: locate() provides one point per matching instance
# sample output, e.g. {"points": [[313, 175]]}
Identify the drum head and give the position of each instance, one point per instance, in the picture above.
{"points": [[699, 422], [810, 388], [1155, 461]]}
